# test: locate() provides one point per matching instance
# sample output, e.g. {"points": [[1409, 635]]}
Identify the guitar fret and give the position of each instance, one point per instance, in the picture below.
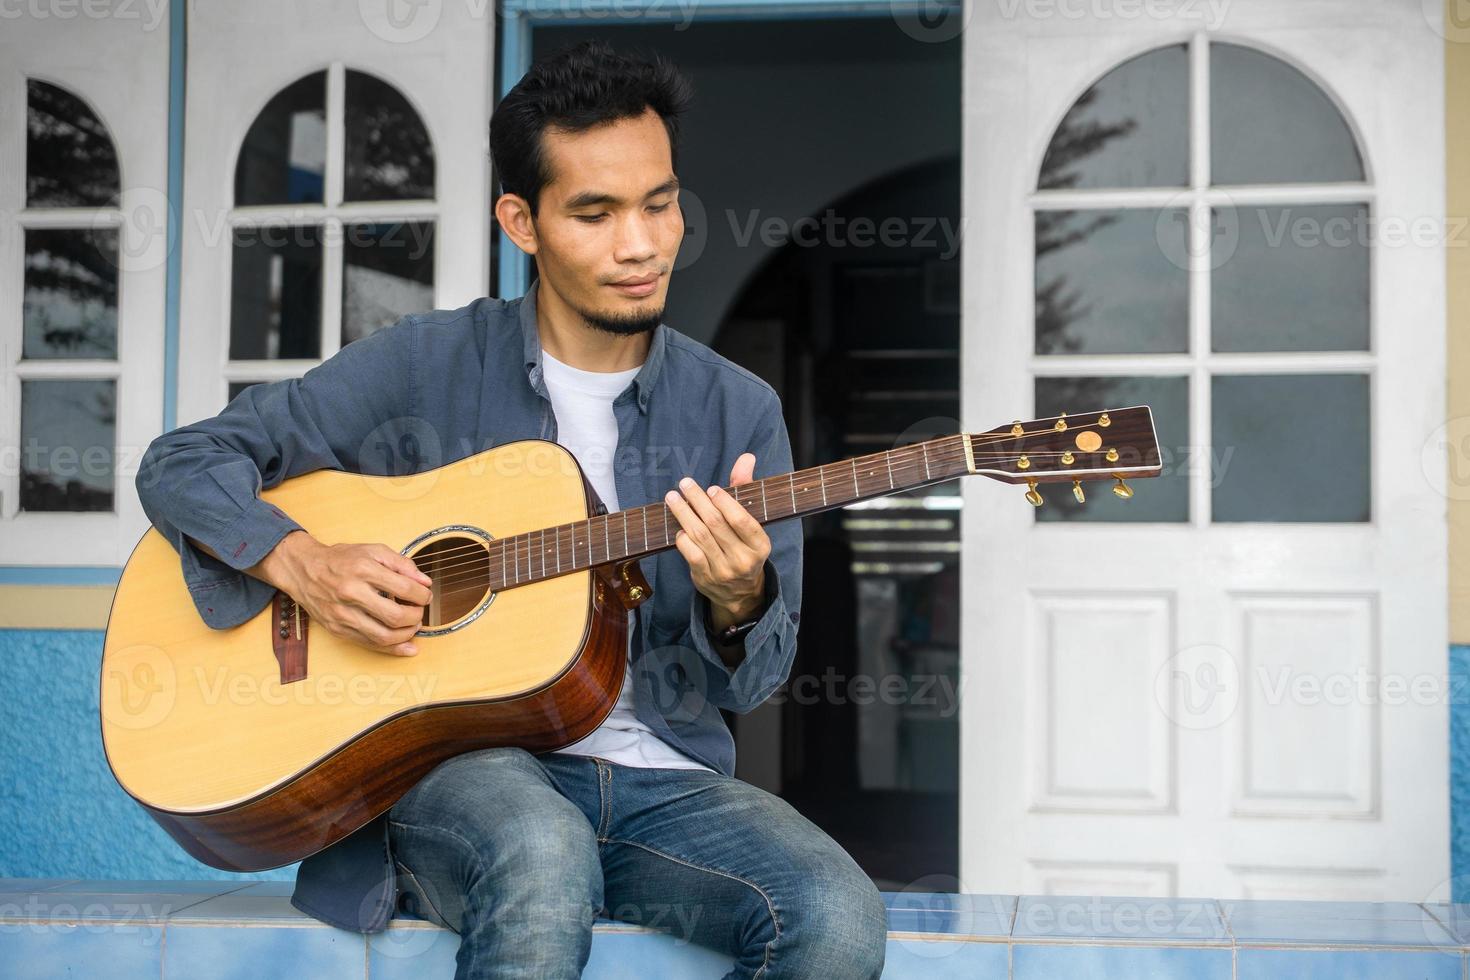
{"points": [[822, 481], [558, 552], [888, 458], [925, 447], [502, 563], [765, 514], [606, 541], [791, 485]]}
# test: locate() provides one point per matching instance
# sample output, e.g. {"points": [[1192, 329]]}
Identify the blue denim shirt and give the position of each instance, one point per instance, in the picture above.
{"points": [[436, 387]]}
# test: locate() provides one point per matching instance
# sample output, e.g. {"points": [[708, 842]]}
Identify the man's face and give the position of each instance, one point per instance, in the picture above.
{"points": [[610, 214]]}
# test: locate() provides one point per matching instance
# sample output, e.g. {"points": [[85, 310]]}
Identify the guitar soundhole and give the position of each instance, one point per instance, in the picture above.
{"points": [[459, 570]]}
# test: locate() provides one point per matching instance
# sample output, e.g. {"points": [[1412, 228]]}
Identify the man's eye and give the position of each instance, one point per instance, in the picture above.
{"points": [[589, 218], [659, 208]]}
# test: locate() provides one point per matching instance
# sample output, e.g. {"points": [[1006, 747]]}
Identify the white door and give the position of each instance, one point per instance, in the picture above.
{"points": [[337, 176], [1233, 684]]}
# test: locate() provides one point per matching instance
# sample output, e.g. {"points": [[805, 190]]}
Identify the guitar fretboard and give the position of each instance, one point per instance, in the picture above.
{"points": [[548, 552]]}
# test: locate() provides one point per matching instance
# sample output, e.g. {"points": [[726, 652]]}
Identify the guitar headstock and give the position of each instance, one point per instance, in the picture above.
{"points": [[1115, 444]]}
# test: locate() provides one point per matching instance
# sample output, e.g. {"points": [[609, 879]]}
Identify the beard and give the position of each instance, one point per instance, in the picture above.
{"points": [[626, 324]]}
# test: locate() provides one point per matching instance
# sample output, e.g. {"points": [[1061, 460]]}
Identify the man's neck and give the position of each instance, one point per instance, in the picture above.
{"points": [[566, 336]]}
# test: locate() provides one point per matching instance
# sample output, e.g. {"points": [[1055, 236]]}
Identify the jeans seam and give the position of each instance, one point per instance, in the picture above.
{"points": [[424, 892], [474, 852], [606, 792], [770, 905]]}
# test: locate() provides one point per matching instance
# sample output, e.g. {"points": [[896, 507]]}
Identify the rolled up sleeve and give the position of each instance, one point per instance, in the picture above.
{"points": [[770, 646], [203, 481]]}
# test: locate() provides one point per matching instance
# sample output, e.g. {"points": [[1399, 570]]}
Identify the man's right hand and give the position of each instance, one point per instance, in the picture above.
{"points": [[342, 587]]}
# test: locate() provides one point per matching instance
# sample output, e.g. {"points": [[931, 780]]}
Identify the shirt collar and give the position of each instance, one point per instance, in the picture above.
{"points": [[644, 380]]}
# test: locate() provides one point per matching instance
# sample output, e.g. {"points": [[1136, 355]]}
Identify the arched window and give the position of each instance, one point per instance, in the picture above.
{"points": [[68, 367], [332, 229], [1207, 253]]}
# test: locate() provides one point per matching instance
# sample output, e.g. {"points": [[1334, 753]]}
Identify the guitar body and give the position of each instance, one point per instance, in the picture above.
{"points": [[254, 751]]}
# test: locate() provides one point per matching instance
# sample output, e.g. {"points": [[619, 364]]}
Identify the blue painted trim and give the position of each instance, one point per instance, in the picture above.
{"points": [[59, 575], [177, 35], [515, 58]]}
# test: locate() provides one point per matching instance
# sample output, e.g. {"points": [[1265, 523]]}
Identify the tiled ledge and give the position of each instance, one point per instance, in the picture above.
{"points": [[212, 929]]}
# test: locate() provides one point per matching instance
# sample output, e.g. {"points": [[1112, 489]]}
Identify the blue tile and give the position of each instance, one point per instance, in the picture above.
{"points": [[102, 886], [232, 953], [1301, 964], [1001, 905], [1078, 962], [983, 925], [8, 885], [255, 904], [1195, 921], [1277, 909], [1250, 923], [411, 950], [636, 954], [138, 907], [37, 951], [937, 959], [1455, 918]]}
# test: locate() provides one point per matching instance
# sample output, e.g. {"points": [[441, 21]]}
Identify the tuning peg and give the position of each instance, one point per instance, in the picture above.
{"points": [[1077, 492], [1122, 489], [1032, 494]]}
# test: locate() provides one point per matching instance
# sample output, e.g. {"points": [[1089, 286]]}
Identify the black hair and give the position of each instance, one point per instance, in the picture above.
{"points": [[580, 86]]}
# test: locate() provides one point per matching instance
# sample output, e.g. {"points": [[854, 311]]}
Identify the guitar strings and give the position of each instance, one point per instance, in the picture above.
{"points": [[902, 455], [484, 558], [484, 555]]}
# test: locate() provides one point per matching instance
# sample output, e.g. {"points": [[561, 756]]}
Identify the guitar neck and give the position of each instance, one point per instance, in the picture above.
{"points": [[548, 552]]}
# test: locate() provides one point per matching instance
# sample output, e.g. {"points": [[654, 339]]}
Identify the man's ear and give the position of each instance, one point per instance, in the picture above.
{"points": [[513, 214]]}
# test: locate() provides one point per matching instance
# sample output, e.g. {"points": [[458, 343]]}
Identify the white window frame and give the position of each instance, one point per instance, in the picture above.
{"points": [[1200, 364], [445, 74], [119, 70]]}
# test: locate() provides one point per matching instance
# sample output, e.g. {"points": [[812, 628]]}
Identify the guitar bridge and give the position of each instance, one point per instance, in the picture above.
{"points": [[289, 626]]}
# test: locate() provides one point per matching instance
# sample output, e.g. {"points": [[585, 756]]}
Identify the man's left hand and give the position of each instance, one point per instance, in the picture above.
{"points": [[725, 546]]}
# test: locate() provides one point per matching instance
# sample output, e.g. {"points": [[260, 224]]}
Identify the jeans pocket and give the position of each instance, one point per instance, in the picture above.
{"points": [[415, 900]]}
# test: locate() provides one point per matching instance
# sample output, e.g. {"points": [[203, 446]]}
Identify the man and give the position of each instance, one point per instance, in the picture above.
{"points": [[643, 818]]}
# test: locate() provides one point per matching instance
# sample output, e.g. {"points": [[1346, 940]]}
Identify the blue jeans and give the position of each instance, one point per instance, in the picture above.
{"points": [[518, 853]]}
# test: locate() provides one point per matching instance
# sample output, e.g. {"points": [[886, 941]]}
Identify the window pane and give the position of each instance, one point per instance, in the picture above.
{"points": [[1290, 447], [1297, 279], [388, 270], [66, 438], [238, 386], [1131, 129], [389, 156], [70, 159], [284, 155], [70, 304], [276, 293], [1162, 498], [1112, 282], [1269, 123]]}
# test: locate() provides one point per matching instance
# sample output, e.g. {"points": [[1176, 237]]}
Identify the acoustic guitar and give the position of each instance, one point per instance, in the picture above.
{"points": [[259, 745]]}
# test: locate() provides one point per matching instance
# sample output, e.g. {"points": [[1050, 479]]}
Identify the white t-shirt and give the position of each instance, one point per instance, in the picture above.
{"points": [[585, 424]]}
